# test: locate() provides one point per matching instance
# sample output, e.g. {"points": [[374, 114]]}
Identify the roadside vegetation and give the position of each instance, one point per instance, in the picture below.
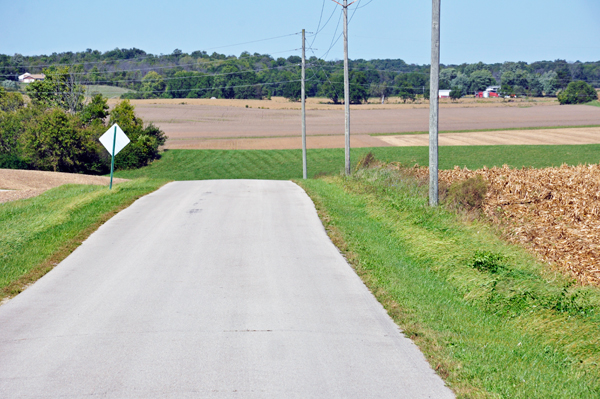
{"points": [[493, 321], [38, 233], [59, 131]]}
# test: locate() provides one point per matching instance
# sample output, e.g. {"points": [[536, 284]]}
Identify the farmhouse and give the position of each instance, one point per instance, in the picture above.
{"points": [[28, 77]]}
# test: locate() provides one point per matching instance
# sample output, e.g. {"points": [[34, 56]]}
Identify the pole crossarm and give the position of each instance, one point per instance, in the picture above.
{"points": [[345, 6]]}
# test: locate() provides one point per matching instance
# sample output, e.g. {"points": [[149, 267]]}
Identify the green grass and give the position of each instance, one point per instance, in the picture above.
{"points": [[491, 130], [106, 91], [490, 319], [287, 164], [37, 233], [594, 103]]}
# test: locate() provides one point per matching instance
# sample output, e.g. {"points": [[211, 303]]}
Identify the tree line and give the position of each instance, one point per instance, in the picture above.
{"points": [[200, 75], [58, 130]]}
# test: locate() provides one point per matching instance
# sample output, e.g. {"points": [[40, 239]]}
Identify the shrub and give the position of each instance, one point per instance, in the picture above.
{"points": [[467, 194], [145, 141], [455, 93], [577, 93]]}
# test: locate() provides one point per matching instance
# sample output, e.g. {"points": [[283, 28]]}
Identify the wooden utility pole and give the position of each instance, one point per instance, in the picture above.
{"points": [[304, 171], [346, 84], [346, 88], [434, 105]]}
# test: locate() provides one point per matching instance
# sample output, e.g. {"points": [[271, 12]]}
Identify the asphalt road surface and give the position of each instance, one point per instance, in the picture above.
{"points": [[213, 289]]}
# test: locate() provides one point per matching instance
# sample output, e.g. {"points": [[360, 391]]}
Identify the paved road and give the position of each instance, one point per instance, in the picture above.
{"points": [[214, 289]]}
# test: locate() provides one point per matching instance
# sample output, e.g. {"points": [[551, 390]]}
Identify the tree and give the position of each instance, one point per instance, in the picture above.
{"points": [[292, 90], [95, 111], [481, 80], [10, 101], [455, 93], [145, 141], [380, 90], [333, 88], [61, 88], [57, 142], [461, 82], [358, 87], [153, 85], [549, 83], [577, 93], [406, 92]]}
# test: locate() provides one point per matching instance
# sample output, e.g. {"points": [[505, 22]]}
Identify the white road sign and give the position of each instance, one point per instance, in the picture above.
{"points": [[108, 137]]}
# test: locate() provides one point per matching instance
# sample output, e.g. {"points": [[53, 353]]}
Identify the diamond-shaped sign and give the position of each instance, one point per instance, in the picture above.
{"points": [[121, 139]]}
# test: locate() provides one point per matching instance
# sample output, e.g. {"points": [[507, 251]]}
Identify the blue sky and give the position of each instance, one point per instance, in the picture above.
{"points": [[472, 30]]}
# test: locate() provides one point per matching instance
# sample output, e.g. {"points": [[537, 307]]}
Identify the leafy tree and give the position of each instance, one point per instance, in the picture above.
{"points": [[549, 83], [577, 93], [10, 101], [153, 85], [380, 90], [145, 141], [455, 93], [358, 87], [61, 88], [57, 142], [95, 111], [406, 92], [461, 82], [481, 80], [333, 88], [10, 85], [563, 74], [292, 90]]}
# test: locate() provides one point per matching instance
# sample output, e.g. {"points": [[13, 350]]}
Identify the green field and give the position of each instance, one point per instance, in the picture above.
{"points": [[491, 320], [287, 164], [106, 91]]}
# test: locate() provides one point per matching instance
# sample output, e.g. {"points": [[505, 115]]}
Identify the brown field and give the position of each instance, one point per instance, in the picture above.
{"points": [[270, 124], [21, 184], [554, 211]]}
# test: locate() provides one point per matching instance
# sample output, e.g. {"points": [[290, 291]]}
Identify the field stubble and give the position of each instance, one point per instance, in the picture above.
{"points": [[553, 211]]}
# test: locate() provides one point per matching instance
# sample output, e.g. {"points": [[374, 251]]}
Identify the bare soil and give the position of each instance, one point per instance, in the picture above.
{"points": [[188, 123], [509, 137], [21, 184]]}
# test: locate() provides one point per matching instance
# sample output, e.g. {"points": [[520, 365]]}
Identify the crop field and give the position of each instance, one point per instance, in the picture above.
{"points": [[227, 124], [553, 211]]}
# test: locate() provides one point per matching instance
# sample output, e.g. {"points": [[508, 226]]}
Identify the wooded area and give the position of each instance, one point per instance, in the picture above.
{"points": [[200, 75]]}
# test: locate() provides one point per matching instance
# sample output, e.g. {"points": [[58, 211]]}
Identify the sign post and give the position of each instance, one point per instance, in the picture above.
{"points": [[114, 140]]}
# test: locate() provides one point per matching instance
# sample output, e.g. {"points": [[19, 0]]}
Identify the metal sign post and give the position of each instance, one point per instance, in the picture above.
{"points": [[112, 161]]}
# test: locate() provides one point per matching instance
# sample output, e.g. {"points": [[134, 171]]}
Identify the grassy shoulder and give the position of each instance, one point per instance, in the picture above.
{"points": [[492, 321], [37, 233], [287, 164]]}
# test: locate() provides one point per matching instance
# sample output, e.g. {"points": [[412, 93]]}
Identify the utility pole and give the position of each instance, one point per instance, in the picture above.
{"points": [[304, 172], [434, 105], [346, 84]]}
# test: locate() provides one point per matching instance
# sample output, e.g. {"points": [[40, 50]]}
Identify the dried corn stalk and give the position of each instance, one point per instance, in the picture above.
{"points": [[554, 211]]}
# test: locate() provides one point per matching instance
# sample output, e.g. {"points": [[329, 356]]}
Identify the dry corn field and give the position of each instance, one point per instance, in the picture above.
{"points": [[553, 211]]}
